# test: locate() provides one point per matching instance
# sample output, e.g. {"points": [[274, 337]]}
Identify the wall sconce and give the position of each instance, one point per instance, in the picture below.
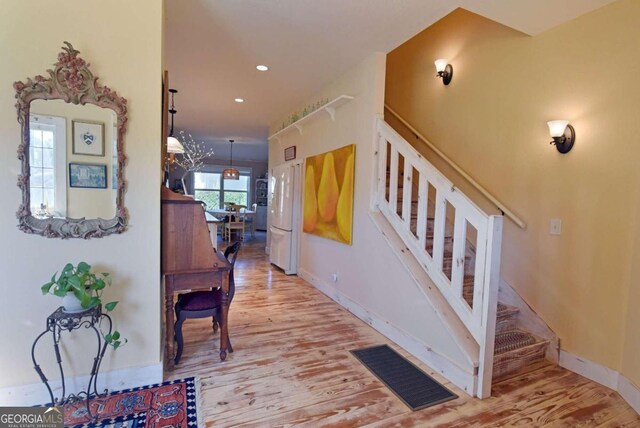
{"points": [[563, 135], [445, 71]]}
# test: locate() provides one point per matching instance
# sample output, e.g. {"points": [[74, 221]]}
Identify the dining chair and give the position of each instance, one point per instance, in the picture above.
{"points": [[204, 304], [250, 219], [236, 221]]}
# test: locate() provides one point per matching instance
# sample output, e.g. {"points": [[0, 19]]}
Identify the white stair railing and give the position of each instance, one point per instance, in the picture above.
{"points": [[479, 317]]}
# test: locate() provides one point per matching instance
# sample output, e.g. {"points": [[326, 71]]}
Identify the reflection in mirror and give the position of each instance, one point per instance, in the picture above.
{"points": [[73, 160], [72, 152]]}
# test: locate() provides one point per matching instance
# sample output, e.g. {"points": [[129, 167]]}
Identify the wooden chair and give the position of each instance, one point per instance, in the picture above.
{"points": [[250, 220], [204, 304], [236, 221]]}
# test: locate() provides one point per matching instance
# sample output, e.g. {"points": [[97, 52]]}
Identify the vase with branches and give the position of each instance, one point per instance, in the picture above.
{"points": [[193, 158]]}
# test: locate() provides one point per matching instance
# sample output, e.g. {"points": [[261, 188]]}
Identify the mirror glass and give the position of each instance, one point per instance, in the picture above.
{"points": [[73, 160]]}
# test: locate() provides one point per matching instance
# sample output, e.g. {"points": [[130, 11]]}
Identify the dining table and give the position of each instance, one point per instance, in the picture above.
{"points": [[212, 223], [221, 213]]}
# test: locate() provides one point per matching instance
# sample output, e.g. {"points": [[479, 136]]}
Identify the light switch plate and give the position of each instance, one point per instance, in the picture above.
{"points": [[555, 226]]}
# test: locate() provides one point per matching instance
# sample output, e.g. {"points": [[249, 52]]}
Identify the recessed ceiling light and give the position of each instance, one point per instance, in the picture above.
{"points": [[239, 100], [262, 67]]}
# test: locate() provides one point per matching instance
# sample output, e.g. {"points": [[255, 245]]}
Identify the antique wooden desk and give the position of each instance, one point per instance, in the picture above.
{"points": [[189, 262]]}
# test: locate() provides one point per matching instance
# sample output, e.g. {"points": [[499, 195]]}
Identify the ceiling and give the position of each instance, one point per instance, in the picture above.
{"points": [[213, 46]]}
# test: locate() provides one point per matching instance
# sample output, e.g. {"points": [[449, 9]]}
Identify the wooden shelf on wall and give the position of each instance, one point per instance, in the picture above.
{"points": [[329, 108]]}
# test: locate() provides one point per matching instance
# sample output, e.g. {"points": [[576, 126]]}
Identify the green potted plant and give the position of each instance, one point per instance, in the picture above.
{"points": [[81, 289]]}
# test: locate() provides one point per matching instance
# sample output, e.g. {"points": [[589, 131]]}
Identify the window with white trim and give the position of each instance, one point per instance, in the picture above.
{"points": [[212, 189], [47, 159]]}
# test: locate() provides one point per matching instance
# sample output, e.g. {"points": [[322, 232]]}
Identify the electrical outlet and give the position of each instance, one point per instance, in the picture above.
{"points": [[334, 277], [555, 226]]}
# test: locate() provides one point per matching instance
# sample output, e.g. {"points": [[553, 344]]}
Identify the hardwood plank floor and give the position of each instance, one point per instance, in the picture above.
{"points": [[292, 366]]}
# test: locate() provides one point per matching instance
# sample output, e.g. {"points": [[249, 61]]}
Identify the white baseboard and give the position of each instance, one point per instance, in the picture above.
{"points": [[630, 393], [458, 376], [115, 380], [594, 371], [604, 376]]}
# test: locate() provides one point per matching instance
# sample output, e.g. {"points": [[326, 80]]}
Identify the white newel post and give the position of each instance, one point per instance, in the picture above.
{"points": [[490, 305]]}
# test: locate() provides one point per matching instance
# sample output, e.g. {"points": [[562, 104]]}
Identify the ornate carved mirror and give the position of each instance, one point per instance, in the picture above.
{"points": [[72, 152]]}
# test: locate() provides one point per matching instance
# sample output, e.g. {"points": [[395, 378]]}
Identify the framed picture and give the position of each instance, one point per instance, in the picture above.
{"points": [[290, 153], [328, 194], [88, 138], [88, 176]]}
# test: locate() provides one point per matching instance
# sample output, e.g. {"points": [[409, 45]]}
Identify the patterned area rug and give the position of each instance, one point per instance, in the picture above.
{"points": [[170, 404]]}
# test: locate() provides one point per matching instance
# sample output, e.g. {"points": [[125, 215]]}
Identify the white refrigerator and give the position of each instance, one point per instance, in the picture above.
{"points": [[284, 204]]}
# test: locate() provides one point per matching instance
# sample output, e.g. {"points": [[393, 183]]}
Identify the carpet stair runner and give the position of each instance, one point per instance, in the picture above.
{"points": [[516, 350]]}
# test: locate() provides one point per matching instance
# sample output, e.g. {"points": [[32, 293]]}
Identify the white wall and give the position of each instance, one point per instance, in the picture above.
{"points": [[122, 41], [369, 274]]}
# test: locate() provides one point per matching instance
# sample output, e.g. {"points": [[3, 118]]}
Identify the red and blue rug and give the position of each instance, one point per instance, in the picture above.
{"points": [[169, 404]]}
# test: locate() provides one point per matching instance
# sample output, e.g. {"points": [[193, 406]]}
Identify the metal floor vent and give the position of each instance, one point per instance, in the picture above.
{"points": [[414, 387]]}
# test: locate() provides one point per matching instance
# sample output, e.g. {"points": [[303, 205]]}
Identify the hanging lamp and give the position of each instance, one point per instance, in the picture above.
{"points": [[173, 144], [231, 173]]}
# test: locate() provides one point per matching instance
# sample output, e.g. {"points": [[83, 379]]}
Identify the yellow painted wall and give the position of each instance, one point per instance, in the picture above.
{"points": [[631, 355], [122, 42], [492, 121]]}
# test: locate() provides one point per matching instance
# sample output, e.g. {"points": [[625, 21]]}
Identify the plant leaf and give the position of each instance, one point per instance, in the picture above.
{"points": [[45, 288], [107, 338], [84, 267], [110, 306], [93, 302], [115, 335], [75, 282], [60, 292], [85, 300]]}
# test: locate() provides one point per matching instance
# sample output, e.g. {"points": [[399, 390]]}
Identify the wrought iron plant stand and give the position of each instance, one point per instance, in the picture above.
{"points": [[60, 321]]}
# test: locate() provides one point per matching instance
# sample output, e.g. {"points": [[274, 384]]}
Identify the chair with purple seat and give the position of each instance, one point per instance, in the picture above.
{"points": [[204, 304]]}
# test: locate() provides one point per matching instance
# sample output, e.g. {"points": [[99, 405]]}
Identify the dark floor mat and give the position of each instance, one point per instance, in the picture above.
{"points": [[413, 386]]}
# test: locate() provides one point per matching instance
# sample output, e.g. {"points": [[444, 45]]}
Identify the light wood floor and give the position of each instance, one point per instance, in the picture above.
{"points": [[292, 366]]}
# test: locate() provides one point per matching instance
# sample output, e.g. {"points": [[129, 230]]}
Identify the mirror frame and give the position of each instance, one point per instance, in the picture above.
{"points": [[73, 82]]}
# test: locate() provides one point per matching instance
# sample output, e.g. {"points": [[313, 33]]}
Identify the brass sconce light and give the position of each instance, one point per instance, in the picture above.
{"points": [[563, 135], [445, 70]]}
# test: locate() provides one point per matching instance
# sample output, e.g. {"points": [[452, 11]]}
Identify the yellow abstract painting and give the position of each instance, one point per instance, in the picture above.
{"points": [[328, 194]]}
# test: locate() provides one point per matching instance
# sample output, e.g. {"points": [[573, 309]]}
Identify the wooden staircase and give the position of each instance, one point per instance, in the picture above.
{"points": [[516, 350]]}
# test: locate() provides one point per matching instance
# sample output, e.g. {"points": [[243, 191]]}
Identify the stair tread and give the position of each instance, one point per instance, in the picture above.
{"points": [[515, 340], [505, 310], [523, 352], [528, 368]]}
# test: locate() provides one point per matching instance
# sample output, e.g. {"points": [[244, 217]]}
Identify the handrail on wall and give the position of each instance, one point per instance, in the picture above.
{"points": [[506, 211]]}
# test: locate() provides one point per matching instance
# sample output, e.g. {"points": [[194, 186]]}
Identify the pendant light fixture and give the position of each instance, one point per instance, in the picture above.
{"points": [[231, 173], [173, 144]]}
